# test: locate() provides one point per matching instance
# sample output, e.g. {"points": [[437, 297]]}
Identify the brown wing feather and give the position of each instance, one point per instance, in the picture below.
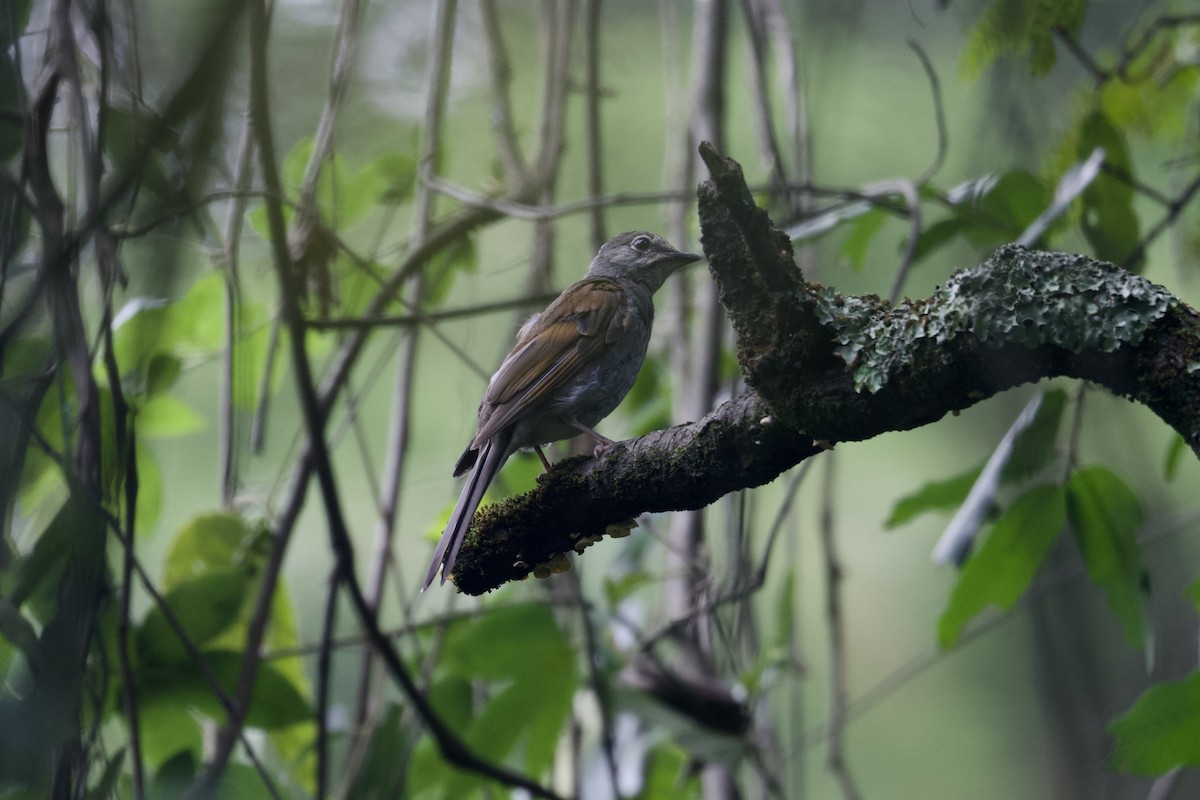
{"points": [[566, 341]]}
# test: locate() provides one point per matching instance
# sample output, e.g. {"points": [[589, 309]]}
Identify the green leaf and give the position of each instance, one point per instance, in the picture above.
{"points": [[284, 634], [173, 778], [1152, 98], [49, 552], [446, 264], [938, 235], [359, 191], [1194, 593], [1020, 27], [397, 172], [294, 744], [667, 773], [205, 606], [504, 643], [343, 194], [242, 782], [149, 495], [276, 702], [999, 572], [531, 668], [143, 328], [940, 495], [251, 358], [165, 416], [1108, 220], [168, 728], [381, 771], [197, 315], [1014, 201], [858, 239], [1105, 515], [161, 373], [1034, 446], [210, 541], [1071, 185], [256, 216], [616, 590], [1161, 731]]}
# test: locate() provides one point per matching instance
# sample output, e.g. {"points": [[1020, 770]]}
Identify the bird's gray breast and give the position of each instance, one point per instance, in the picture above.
{"points": [[595, 394]]}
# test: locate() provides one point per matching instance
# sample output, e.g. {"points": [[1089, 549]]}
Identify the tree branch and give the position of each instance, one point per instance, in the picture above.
{"points": [[868, 367]]}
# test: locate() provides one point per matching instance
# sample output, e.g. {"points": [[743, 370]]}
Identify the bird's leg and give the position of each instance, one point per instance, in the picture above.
{"points": [[537, 448], [602, 442]]}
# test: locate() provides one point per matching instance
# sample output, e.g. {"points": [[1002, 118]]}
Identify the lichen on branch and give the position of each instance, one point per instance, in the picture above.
{"points": [[1018, 296]]}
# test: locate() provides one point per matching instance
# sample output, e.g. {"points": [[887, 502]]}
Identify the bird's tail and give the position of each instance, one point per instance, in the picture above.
{"points": [[492, 456]]}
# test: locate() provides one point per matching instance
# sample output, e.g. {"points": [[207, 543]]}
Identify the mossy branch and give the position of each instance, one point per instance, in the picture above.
{"points": [[829, 368]]}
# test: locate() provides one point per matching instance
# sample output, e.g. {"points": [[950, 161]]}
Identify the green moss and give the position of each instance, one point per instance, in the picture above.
{"points": [[1017, 297]]}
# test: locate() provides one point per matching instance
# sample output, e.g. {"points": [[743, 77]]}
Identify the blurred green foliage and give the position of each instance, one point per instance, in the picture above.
{"points": [[508, 678]]}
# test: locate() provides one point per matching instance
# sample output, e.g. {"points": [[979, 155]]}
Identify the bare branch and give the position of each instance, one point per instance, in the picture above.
{"points": [[500, 71], [835, 757], [324, 680], [592, 143]]}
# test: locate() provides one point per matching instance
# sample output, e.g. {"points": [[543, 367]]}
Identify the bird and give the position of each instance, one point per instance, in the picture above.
{"points": [[571, 366]]}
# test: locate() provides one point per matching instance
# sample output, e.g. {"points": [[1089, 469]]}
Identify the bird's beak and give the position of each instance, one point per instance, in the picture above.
{"points": [[688, 258]]}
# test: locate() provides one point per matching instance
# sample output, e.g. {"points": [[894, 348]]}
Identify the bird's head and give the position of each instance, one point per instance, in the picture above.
{"points": [[640, 256]]}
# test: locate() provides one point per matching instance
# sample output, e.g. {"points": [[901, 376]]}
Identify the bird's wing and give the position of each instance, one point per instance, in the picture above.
{"points": [[565, 341]]}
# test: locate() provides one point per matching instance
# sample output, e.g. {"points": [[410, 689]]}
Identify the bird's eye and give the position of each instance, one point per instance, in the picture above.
{"points": [[641, 244]]}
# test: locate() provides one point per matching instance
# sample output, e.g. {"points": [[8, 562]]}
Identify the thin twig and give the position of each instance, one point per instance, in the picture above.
{"points": [[908, 190], [429, 317], [230, 256], [500, 71], [126, 439], [262, 406], [1124, 176], [939, 114], [519, 210], [768, 143], [324, 680], [592, 137], [559, 17], [1173, 211], [597, 680], [1099, 75], [836, 754], [780, 27]]}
